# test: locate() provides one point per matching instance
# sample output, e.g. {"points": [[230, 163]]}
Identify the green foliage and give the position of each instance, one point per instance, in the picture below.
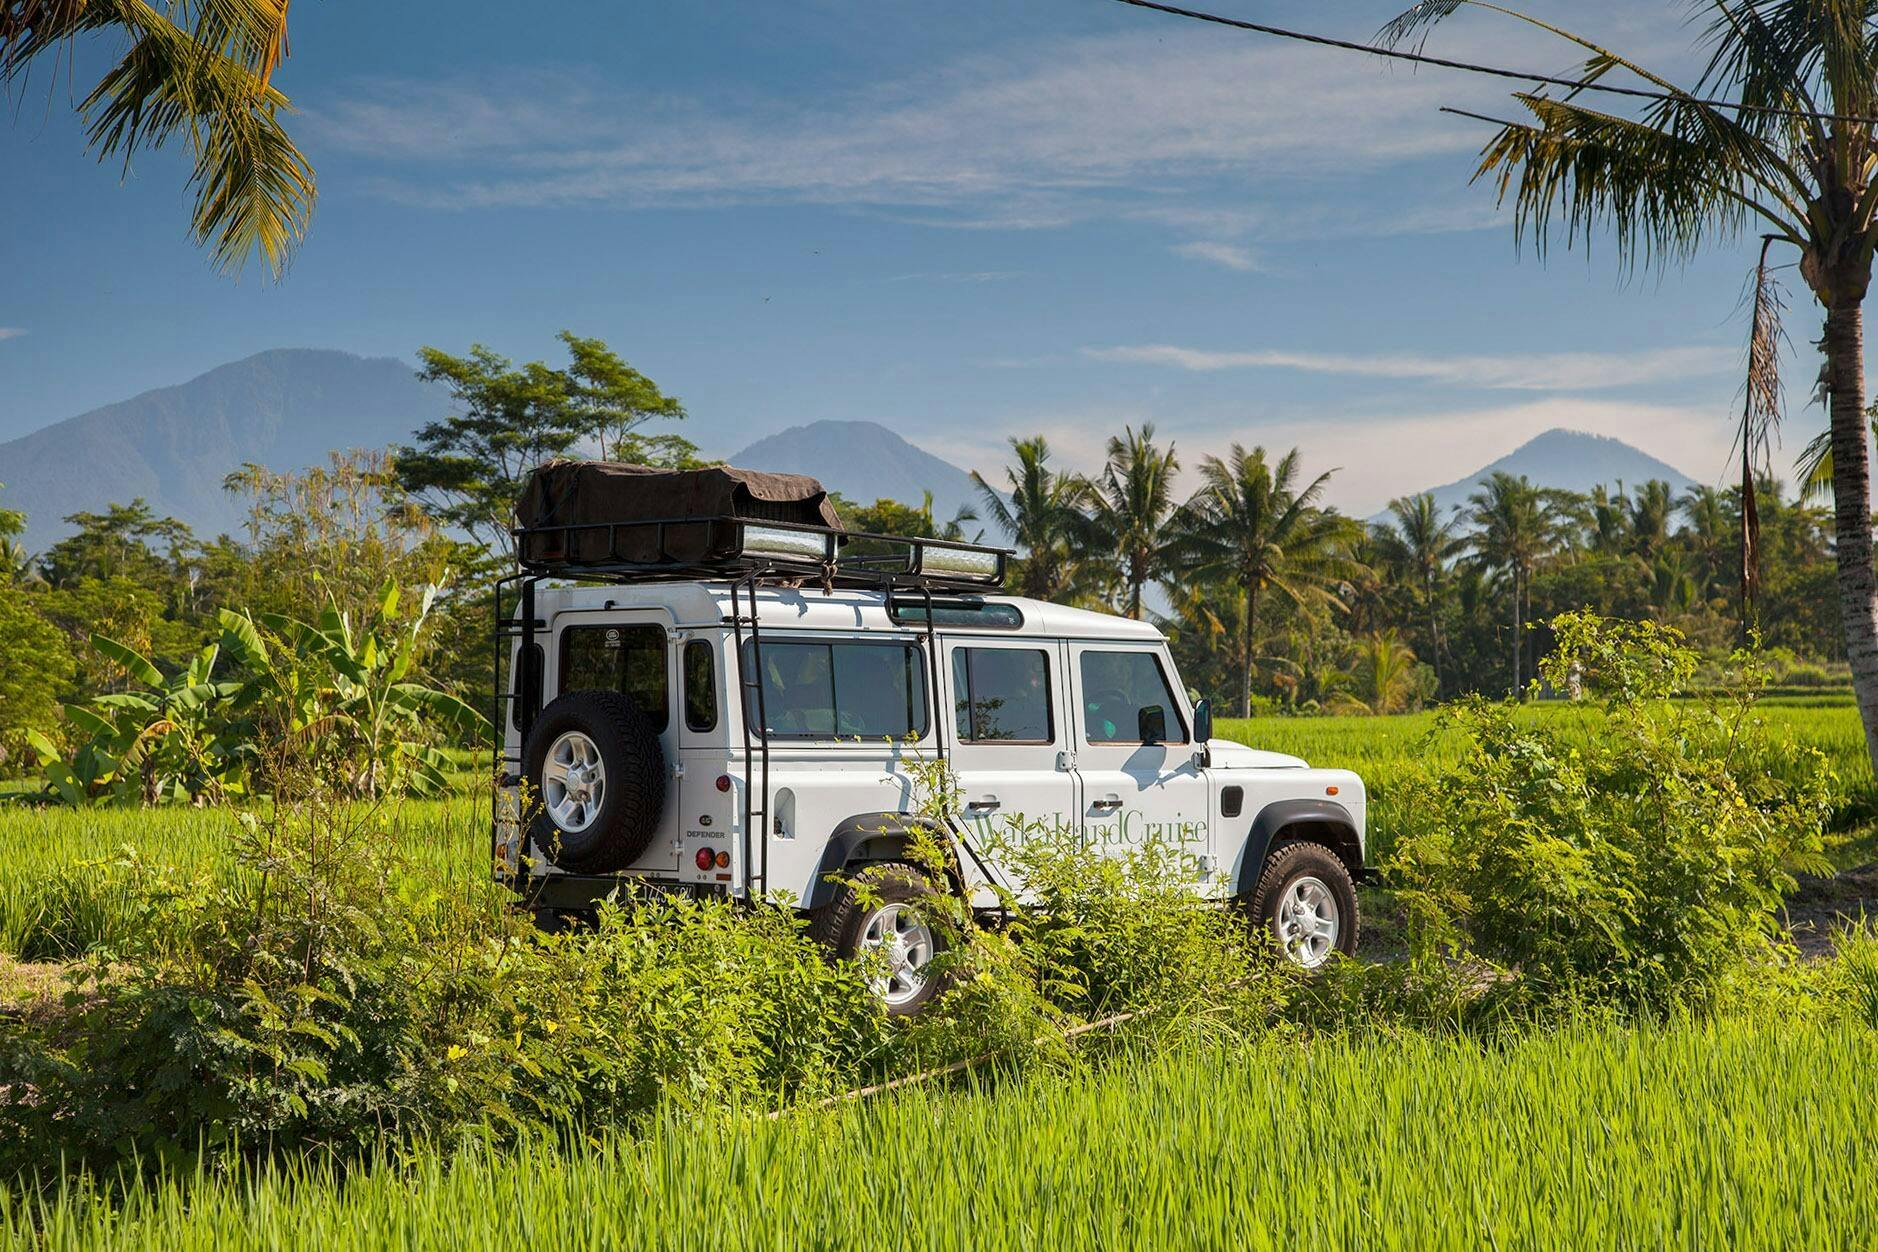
{"points": [[38, 669], [1641, 865], [317, 992], [468, 469], [1685, 1137], [330, 695], [163, 739]]}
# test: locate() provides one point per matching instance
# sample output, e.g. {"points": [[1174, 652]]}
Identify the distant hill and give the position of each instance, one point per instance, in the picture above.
{"points": [[1570, 460], [864, 461], [284, 409]]}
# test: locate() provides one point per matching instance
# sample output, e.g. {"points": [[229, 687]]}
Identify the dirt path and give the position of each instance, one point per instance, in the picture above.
{"points": [[1820, 906]]}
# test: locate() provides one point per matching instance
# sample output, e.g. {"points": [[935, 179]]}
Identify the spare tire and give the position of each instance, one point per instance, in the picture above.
{"points": [[598, 777]]}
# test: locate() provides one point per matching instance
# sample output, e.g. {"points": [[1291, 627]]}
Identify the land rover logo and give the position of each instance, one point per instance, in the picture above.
{"points": [[612, 637]]}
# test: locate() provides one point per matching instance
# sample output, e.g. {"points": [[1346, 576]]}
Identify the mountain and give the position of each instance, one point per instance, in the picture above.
{"points": [[283, 409], [1571, 460], [864, 461]]}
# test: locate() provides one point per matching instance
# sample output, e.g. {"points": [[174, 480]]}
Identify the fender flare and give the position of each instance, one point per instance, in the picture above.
{"points": [[868, 837], [1280, 815]]}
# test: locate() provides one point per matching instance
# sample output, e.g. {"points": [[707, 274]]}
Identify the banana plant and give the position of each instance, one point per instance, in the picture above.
{"points": [[175, 738], [340, 696], [344, 691]]}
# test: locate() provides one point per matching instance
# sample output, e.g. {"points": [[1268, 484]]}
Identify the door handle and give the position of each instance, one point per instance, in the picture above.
{"points": [[1107, 804], [989, 804]]}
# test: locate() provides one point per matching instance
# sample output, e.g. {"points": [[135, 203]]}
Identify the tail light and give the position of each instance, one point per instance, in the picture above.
{"points": [[707, 858]]}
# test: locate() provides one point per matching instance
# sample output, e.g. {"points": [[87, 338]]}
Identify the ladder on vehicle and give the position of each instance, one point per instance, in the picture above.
{"points": [[750, 683]]}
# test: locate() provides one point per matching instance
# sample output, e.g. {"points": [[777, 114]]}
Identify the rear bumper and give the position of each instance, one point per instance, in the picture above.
{"points": [[579, 893]]}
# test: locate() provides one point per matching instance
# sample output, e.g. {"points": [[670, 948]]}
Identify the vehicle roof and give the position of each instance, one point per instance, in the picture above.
{"points": [[701, 604]]}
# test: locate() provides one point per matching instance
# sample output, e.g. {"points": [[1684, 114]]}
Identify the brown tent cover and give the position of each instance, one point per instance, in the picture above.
{"points": [[592, 494]]}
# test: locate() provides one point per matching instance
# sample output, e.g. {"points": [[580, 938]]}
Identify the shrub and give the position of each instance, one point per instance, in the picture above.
{"points": [[1639, 865], [321, 994]]}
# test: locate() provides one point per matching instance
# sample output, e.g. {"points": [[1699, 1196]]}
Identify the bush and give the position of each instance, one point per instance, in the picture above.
{"points": [[321, 995], [1640, 865]]}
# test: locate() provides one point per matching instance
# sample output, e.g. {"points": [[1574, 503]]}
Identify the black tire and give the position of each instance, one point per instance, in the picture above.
{"points": [[626, 815], [843, 924], [1291, 864]]}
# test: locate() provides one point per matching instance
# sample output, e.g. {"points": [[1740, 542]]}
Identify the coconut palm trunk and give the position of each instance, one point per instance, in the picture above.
{"points": [[1246, 637], [1851, 490]]}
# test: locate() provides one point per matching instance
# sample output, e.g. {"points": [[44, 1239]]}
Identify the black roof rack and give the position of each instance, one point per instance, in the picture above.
{"points": [[690, 549]]}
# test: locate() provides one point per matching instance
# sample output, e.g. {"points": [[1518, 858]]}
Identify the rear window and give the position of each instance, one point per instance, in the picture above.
{"points": [[627, 659], [839, 690]]}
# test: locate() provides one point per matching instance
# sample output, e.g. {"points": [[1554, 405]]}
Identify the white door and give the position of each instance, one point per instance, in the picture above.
{"points": [[1009, 741], [1137, 782], [629, 651]]}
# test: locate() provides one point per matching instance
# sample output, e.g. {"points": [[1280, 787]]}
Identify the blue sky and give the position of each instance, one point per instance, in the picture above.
{"points": [[967, 220]]}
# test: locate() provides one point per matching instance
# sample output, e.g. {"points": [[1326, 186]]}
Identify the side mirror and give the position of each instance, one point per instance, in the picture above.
{"points": [[1203, 722], [1152, 721]]}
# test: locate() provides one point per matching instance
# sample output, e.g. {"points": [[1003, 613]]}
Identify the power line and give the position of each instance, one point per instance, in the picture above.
{"points": [[1495, 71]]}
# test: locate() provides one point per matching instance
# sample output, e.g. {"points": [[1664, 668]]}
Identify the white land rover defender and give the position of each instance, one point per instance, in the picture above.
{"points": [[712, 687]]}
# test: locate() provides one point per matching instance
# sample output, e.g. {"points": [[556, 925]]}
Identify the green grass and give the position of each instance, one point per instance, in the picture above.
{"points": [[70, 891], [58, 903], [1728, 1135], [1382, 749]]}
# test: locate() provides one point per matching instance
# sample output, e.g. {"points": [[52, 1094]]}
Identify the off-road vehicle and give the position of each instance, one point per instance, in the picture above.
{"points": [[710, 686]]}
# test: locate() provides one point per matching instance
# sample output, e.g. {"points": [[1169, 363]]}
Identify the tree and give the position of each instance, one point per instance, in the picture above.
{"points": [[15, 561], [890, 517], [1797, 157], [1385, 678], [1422, 543], [124, 541], [466, 470], [1250, 526], [194, 71], [1130, 505], [37, 672], [1709, 533], [1514, 529], [1043, 514]]}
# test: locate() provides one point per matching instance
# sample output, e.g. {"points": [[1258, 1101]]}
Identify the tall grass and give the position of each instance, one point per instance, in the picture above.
{"points": [[1724, 1135], [57, 902], [72, 869]]}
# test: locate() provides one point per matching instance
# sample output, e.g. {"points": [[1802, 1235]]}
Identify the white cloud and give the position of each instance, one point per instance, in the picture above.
{"points": [[1230, 256], [10, 332], [1168, 123], [1553, 371]]}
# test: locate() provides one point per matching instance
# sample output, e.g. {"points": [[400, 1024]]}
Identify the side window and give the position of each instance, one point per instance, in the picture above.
{"points": [[840, 690], [1002, 695], [1126, 699], [629, 659], [700, 686]]}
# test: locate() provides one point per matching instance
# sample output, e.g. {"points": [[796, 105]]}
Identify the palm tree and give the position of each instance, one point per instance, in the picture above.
{"points": [[199, 72], [1130, 504], [1383, 677], [1651, 509], [1798, 157], [1251, 526], [1711, 526], [1515, 528], [1043, 514], [1422, 543]]}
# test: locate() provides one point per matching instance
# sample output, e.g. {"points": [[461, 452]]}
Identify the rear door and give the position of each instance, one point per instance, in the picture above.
{"points": [[629, 651], [1010, 741], [1137, 782]]}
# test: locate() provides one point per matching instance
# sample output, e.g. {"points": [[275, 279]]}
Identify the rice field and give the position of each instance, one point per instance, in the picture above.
{"points": [[68, 898], [1729, 1133], [1726, 1135]]}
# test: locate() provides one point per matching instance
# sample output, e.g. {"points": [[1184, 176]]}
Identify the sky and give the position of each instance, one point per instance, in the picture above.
{"points": [[969, 221]]}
